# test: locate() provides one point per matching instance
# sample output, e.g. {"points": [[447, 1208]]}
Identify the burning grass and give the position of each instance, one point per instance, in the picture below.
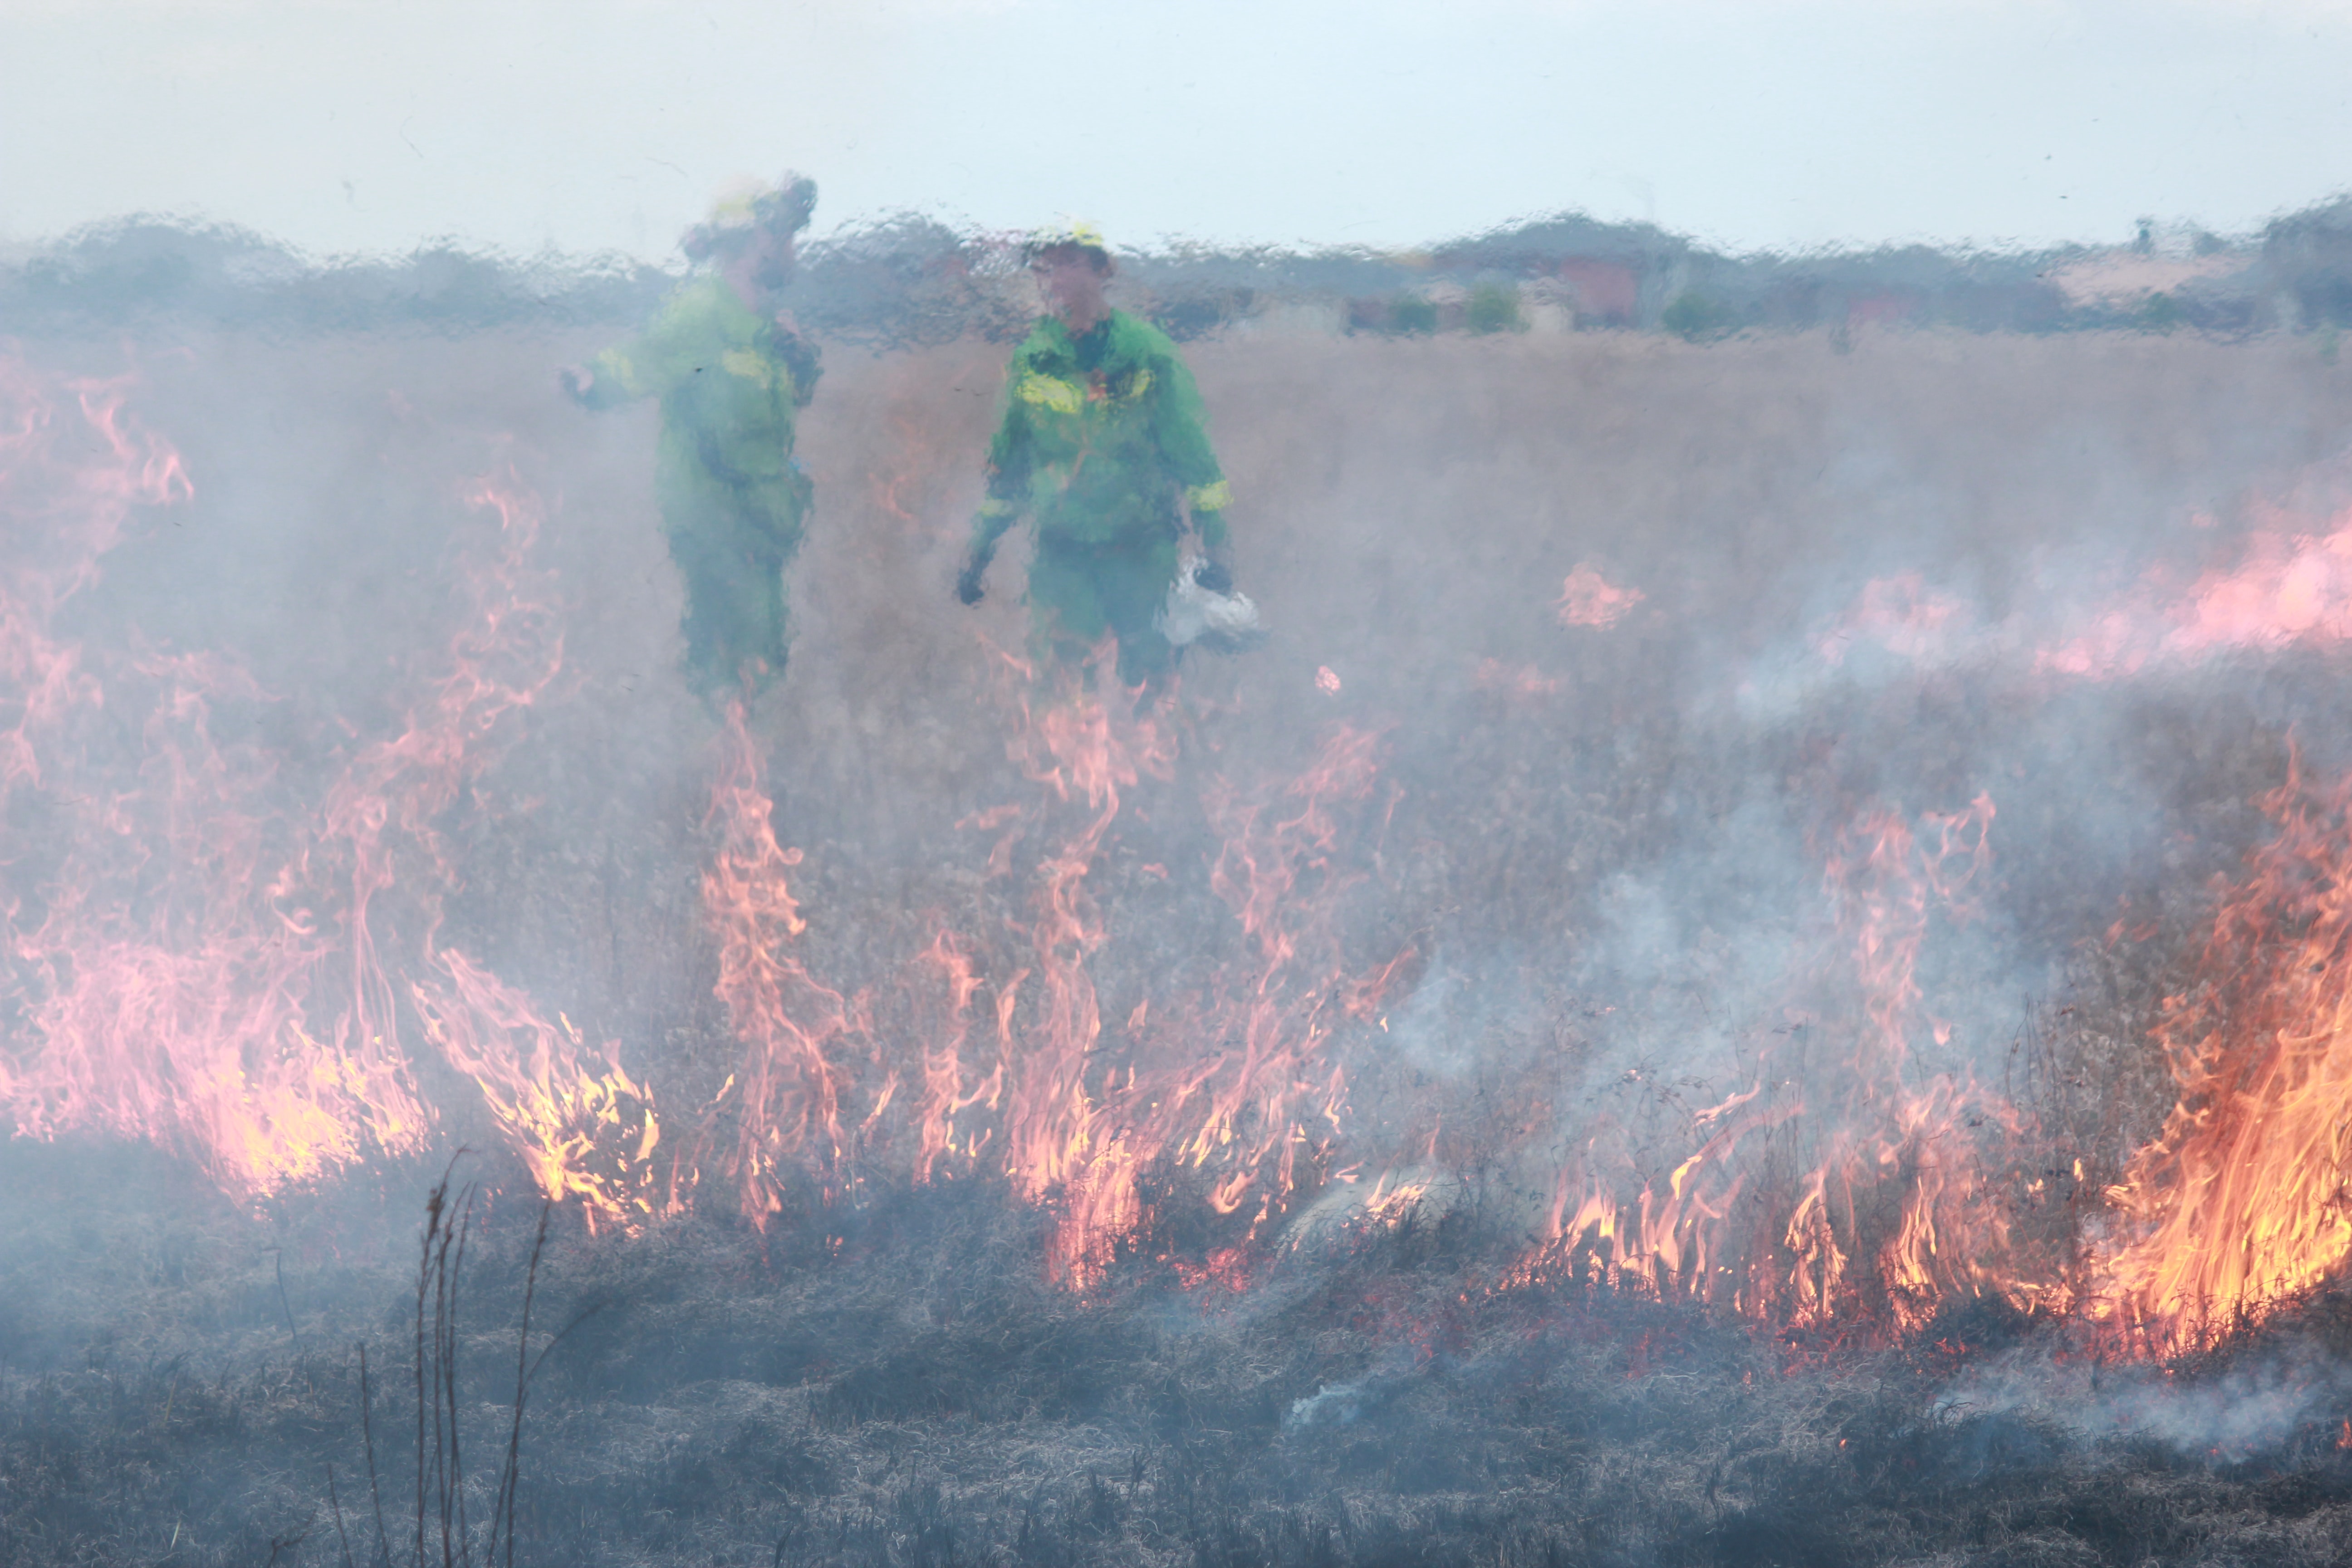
{"points": [[1669, 1016]]}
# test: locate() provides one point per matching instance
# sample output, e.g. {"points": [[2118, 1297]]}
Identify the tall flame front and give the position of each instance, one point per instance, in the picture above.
{"points": [[246, 961], [2241, 1201]]}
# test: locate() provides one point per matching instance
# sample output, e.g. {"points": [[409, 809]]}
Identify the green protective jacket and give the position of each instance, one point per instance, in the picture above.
{"points": [[734, 504], [1103, 436], [731, 383]]}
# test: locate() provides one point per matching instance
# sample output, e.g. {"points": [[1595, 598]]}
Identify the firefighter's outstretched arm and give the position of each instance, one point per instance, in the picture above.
{"points": [[614, 376], [1008, 466], [994, 518]]}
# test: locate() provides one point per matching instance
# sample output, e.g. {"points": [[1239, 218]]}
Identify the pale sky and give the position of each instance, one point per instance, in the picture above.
{"points": [[373, 126]]}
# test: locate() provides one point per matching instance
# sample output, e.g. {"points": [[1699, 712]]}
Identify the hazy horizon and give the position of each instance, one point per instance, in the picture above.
{"points": [[337, 128]]}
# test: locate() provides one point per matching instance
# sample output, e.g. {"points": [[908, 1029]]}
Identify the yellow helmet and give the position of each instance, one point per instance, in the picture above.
{"points": [[752, 206], [1068, 235]]}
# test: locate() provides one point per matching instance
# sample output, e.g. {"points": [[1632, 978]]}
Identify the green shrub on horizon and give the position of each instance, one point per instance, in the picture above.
{"points": [[1695, 317], [1495, 308], [1413, 316]]}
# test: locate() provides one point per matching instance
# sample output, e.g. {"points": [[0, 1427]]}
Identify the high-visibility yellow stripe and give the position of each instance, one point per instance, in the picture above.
{"points": [[1209, 497], [994, 508], [746, 364], [1050, 392], [616, 366]]}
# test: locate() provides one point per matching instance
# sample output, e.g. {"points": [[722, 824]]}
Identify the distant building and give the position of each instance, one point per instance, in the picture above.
{"points": [[1601, 293], [2122, 279]]}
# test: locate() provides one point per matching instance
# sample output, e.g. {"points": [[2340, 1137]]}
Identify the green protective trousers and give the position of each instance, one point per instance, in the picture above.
{"points": [[1078, 592], [733, 542]]}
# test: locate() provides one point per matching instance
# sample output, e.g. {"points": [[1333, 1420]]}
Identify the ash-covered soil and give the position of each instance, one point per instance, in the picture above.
{"points": [[900, 1385], [1598, 849]]}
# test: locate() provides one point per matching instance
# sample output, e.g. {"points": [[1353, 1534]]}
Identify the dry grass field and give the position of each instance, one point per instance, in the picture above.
{"points": [[1598, 854]]}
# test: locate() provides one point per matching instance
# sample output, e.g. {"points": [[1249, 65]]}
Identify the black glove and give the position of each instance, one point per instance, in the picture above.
{"points": [[1214, 577], [967, 588]]}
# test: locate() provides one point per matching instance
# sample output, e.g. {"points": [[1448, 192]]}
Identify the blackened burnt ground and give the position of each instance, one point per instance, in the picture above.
{"points": [[905, 1388]]}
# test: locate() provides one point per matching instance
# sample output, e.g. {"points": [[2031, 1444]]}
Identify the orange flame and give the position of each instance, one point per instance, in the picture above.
{"points": [[162, 991], [1245, 1112], [2239, 1204], [1896, 1180], [210, 954], [1280, 1014], [185, 1025], [2294, 585], [1588, 599], [1900, 613], [1057, 1140], [174, 969], [504, 656], [789, 1091], [944, 1094], [1078, 1132], [584, 1134]]}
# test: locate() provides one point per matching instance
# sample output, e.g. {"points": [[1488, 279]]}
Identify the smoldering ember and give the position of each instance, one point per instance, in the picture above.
{"points": [[1755, 969]]}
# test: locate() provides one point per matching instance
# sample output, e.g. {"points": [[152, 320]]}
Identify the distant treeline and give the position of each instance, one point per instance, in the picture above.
{"points": [[910, 280]]}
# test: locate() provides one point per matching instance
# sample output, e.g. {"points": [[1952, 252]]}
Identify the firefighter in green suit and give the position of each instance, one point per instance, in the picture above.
{"points": [[1104, 447], [732, 374]]}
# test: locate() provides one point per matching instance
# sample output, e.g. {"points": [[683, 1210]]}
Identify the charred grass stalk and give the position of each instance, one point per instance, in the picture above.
{"points": [[336, 1502], [440, 1512], [439, 1493], [367, 1438], [511, 1470]]}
